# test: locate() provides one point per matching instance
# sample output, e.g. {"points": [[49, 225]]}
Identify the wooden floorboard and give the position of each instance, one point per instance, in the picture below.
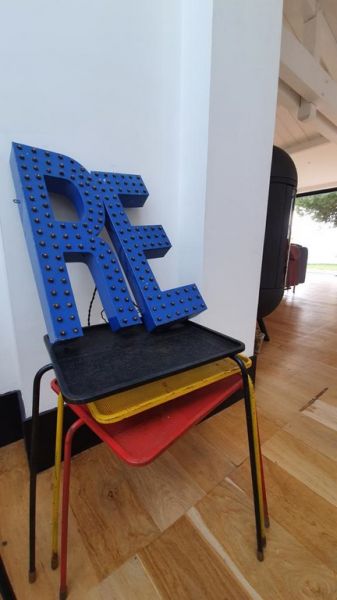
{"points": [[183, 565], [129, 581], [314, 434], [307, 516], [183, 527], [314, 469], [290, 570]]}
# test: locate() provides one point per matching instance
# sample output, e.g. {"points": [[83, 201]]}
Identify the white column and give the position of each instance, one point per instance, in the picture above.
{"points": [[244, 74]]}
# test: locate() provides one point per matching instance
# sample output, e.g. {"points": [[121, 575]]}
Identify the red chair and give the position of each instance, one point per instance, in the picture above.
{"points": [[138, 440], [297, 266]]}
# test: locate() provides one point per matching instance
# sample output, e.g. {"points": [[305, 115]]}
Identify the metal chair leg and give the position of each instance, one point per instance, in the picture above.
{"points": [[264, 493], [65, 506], [254, 464], [258, 457], [33, 469], [56, 482]]}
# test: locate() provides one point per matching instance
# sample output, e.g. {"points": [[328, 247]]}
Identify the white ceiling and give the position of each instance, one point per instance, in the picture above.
{"points": [[329, 8], [288, 129], [316, 165]]}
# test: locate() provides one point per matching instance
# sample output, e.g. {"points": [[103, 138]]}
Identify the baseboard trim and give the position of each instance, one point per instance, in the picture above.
{"points": [[14, 426], [83, 440], [10, 418]]}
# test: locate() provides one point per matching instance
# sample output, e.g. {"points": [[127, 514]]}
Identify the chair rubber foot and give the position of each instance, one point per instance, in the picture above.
{"points": [[54, 563], [266, 522], [32, 576], [63, 594], [259, 554], [264, 541]]}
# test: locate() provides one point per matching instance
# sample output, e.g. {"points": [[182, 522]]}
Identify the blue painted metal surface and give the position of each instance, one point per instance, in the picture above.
{"points": [[100, 200]]}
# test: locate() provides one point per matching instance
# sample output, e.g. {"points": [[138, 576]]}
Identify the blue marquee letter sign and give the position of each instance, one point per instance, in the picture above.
{"points": [[100, 199]]}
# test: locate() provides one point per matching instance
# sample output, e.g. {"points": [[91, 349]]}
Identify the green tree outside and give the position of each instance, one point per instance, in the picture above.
{"points": [[321, 207]]}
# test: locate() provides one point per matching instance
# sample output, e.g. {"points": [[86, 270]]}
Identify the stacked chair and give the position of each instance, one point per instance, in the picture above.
{"points": [[140, 423], [149, 374]]}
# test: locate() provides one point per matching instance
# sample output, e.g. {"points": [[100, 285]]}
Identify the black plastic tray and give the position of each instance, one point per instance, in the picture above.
{"points": [[101, 363]]}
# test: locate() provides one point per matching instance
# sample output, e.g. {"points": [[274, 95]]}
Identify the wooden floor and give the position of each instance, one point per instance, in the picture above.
{"points": [[183, 527]]}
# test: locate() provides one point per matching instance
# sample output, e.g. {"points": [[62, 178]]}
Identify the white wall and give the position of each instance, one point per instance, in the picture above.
{"points": [[99, 82], [9, 368], [146, 86], [245, 62], [195, 74]]}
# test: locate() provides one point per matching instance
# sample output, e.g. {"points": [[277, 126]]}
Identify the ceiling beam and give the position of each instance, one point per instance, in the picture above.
{"points": [[313, 122], [301, 72], [297, 12], [325, 128], [309, 9], [318, 38], [312, 31], [316, 187], [317, 140], [327, 46], [311, 27], [288, 98]]}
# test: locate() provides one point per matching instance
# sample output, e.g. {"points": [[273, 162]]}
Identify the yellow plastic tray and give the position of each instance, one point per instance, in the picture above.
{"points": [[126, 404]]}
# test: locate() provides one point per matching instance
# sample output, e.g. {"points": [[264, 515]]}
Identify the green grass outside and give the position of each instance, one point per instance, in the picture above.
{"points": [[322, 267]]}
